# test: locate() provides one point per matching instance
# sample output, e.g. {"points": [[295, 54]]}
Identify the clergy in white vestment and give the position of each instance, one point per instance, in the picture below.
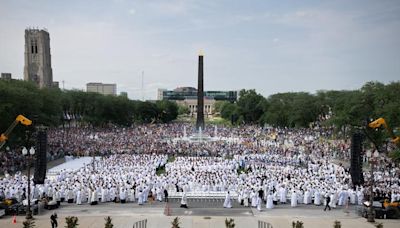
{"points": [[159, 194], [352, 197], [122, 195], [132, 195], [333, 200], [94, 198], [103, 195], [184, 200], [307, 197], [270, 203], [79, 197], [317, 198], [259, 203], [71, 196], [282, 195], [140, 198], [293, 201], [227, 202]]}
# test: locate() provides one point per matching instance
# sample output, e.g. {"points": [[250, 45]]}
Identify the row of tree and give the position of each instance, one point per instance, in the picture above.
{"points": [[52, 107], [334, 108]]}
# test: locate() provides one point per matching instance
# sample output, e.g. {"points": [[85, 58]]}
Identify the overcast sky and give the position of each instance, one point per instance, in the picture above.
{"points": [[271, 46]]}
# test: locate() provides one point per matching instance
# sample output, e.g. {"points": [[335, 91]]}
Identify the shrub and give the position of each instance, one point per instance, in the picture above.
{"points": [[229, 223], [108, 222], [71, 221], [175, 223], [29, 223]]}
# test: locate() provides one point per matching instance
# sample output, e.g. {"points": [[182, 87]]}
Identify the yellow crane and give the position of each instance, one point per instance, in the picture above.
{"points": [[381, 121], [20, 119]]}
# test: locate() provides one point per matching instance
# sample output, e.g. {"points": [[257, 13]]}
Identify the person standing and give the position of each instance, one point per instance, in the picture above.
{"points": [[293, 201], [328, 200], [165, 195], [53, 220], [184, 200], [227, 202]]}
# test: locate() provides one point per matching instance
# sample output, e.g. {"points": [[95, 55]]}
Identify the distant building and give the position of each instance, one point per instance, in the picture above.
{"points": [[105, 89], [56, 85], [160, 93], [123, 94], [187, 96], [6, 76], [38, 58]]}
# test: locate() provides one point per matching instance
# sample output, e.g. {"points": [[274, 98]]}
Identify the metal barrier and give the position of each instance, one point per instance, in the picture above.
{"points": [[262, 224], [140, 224]]}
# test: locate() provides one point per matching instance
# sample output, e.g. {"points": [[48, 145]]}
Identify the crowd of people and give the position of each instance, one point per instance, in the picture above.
{"points": [[263, 166]]}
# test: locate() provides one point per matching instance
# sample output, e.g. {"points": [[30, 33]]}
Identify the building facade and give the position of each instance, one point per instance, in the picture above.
{"points": [[6, 76], [187, 96], [105, 89], [38, 58]]}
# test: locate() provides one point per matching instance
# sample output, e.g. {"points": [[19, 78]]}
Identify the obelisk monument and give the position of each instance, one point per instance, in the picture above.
{"points": [[200, 95]]}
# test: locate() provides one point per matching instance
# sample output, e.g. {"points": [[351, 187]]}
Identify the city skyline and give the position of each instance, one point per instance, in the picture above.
{"points": [[268, 46]]}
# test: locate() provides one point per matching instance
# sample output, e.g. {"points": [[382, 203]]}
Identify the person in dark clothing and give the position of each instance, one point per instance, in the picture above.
{"points": [[165, 195], [53, 220], [328, 200], [261, 193]]}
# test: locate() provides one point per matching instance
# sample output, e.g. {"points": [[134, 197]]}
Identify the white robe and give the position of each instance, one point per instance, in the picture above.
{"points": [[78, 198], [293, 201], [360, 198], [306, 197], [227, 202], [122, 195], [140, 198], [317, 198], [132, 195], [352, 197], [283, 194], [270, 203], [103, 195], [333, 200], [184, 199], [94, 197], [259, 202]]}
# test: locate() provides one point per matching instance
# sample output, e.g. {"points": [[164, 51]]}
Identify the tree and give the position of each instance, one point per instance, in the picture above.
{"points": [[250, 106], [108, 222], [183, 110], [229, 223], [218, 105], [175, 223], [229, 111], [167, 111], [71, 221], [29, 223]]}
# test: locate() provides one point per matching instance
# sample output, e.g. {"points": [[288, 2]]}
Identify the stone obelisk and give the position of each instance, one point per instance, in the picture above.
{"points": [[200, 95]]}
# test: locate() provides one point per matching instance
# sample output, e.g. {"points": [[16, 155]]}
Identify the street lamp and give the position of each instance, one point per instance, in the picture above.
{"points": [[29, 154], [93, 138], [372, 157]]}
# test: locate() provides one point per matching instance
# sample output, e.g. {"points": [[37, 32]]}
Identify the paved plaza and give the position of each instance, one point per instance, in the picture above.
{"points": [[125, 215]]}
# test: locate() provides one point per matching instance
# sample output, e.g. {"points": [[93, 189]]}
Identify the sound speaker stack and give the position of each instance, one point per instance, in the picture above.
{"points": [[356, 159], [41, 157]]}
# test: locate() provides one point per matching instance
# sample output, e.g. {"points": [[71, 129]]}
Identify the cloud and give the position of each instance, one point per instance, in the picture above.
{"points": [[275, 40], [245, 18], [132, 11]]}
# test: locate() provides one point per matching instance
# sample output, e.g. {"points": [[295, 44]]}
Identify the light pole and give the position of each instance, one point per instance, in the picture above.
{"points": [[372, 157], [93, 138], [28, 159]]}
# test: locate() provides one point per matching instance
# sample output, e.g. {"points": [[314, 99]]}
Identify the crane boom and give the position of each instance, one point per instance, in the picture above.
{"points": [[381, 121], [20, 119]]}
